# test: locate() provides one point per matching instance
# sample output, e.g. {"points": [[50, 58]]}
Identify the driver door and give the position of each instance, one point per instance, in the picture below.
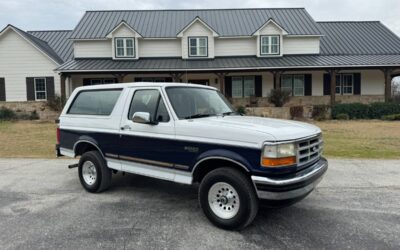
{"points": [[147, 148]]}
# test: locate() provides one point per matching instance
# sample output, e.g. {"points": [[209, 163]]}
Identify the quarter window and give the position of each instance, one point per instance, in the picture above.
{"points": [[149, 101], [198, 46], [95, 102], [243, 86], [344, 84], [269, 45], [293, 84], [124, 47], [40, 89]]}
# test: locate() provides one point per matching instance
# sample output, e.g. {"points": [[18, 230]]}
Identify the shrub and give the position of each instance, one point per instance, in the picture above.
{"points": [[353, 110], [395, 117], [320, 112], [279, 97], [241, 110], [7, 114], [342, 116], [57, 103], [297, 112], [379, 109]]}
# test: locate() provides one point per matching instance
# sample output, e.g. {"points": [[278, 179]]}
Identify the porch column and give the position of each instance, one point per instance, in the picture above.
{"points": [[62, 83], [221, 80], [332, 74], [120, 77], [176, 77], [388, 83]]}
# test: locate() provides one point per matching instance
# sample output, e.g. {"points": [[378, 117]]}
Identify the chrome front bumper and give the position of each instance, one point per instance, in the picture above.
{"points": [[296, 186]]}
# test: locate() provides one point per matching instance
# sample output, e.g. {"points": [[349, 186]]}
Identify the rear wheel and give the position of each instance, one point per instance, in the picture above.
{"points": [[94, 174], [228, 198]]}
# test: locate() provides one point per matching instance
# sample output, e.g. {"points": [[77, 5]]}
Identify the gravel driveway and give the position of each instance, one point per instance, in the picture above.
{"points": [[42, 205]]}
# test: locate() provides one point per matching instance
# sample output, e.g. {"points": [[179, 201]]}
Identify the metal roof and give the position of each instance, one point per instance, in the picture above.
{"points": [[168, 23], [229, 63], [58, 40], [358, 38]]}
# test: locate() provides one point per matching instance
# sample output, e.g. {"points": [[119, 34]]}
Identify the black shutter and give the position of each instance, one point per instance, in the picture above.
{"points": [[86, 81], [50, 88], [30, 89], [2, 90], [357, 84], [228, 86], [258, 86], [168, 79], [307, 84], [138, 79], [115, 80], [327, 84]]}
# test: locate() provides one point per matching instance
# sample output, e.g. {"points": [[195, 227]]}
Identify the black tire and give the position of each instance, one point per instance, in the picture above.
{"points": [[248, 200], [103, 173]]}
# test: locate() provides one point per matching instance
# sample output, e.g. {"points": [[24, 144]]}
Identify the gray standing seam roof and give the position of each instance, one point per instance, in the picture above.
{"points": [[168, 23], [58, 40], [358, 38]]}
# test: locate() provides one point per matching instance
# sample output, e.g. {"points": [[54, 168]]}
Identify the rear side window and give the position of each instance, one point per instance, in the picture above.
{"points": [[95, 102]]}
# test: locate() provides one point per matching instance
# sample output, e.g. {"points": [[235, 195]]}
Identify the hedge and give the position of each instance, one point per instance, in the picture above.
{"points": [[365, 111]]}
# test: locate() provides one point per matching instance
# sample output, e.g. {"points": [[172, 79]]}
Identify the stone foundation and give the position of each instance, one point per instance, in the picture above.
{"points": [[44, 112]]}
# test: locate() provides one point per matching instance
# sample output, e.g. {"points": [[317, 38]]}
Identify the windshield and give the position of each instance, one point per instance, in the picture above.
{"points": [[198, 102]]}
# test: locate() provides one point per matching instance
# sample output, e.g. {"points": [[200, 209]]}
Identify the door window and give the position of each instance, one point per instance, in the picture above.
{"points": [[150, 101]]}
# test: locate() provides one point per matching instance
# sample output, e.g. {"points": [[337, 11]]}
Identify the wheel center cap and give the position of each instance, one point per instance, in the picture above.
{"points": [[224, 200]]}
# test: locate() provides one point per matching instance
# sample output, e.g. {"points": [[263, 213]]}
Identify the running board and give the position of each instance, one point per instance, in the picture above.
{"points": [[73, 166]]}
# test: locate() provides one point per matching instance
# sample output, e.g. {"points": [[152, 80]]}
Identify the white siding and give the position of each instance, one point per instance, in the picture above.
{"points": [[18, 60], [300, 45], [372, 81], [197, 29], [124, 31], [160, 48], [92, 49], [235, 46], [269, 29]]}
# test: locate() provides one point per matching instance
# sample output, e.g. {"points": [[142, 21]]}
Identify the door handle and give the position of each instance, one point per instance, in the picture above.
{"points": [[126, 127]]}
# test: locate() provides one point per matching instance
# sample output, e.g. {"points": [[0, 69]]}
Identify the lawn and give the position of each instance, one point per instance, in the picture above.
{"points": [[344, 139]]}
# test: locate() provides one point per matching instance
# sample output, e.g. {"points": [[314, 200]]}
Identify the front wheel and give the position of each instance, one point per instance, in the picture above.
{"points": [[228, 198], [94, 174]]}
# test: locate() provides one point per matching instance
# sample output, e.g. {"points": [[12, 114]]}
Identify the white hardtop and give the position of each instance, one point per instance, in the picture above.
{"points": [[143, 84]]}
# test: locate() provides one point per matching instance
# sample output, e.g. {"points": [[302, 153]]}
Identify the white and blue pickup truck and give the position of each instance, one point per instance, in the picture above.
{"points": [[190, 134]]}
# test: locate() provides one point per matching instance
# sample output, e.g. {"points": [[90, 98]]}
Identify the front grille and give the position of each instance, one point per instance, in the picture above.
{"points": [[309, 150]]}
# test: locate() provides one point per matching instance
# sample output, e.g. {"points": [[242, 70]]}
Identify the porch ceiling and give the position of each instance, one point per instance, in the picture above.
{"points": [[230, 63]]}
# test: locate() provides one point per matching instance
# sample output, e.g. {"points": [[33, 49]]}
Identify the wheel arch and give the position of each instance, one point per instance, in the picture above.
{"points": [[84, 145]]}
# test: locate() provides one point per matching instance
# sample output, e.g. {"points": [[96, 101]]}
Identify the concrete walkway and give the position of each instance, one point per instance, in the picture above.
{"points": [[42, 205]]}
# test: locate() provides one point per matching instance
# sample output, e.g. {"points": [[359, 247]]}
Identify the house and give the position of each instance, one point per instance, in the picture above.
{"points": [[244, 52]]}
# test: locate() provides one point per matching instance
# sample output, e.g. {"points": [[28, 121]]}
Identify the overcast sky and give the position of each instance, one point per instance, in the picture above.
{"points": [[65, 14]]}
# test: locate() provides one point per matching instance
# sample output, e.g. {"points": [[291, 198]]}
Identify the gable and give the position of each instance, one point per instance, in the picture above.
{"points": [[197, 29], [123, 30], [271, 27]]}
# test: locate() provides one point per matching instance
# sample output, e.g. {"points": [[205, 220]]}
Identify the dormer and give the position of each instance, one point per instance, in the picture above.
{"points": [[197, 39], [270, 39], [124, 42]]}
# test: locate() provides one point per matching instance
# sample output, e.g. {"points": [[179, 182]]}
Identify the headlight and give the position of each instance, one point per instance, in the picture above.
{"points": [[278, 155]]}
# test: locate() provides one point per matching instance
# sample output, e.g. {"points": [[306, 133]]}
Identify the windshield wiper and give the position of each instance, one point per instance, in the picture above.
{"points": [[197, 116], [230, 113]]}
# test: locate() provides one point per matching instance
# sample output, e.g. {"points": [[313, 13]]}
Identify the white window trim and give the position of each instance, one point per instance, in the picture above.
{"points": [[340, 76], [124, 47], [45, 89], [292, 93], [197, 38], [269, 37]]}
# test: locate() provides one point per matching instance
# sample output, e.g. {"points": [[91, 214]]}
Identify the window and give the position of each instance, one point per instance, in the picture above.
{"points": [[125, 47], [40, 89], [344, 84], [153, 79], [189, 102], [269, 45], [149, 101], [243, 86], [293, 84], [198, 46], [95, 102]]}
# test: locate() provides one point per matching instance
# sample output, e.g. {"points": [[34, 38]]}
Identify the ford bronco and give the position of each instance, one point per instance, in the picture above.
{"points": [[190, 134]]}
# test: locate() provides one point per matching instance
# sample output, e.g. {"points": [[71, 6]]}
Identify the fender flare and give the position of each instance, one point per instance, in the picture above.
{"points": [[89, 140]]}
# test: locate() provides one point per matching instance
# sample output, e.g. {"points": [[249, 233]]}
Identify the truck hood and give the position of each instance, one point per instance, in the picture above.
{"points": [[247, 129]]}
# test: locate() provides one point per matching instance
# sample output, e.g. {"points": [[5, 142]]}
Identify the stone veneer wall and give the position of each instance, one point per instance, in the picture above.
{"points": [[44, 112]]}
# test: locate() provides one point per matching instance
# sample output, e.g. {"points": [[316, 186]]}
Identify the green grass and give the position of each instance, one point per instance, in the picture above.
{"points": [[344, 139]]}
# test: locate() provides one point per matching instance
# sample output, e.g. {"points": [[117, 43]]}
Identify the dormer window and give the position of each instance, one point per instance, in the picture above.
{"points": [[198, 46], [269, 45], [124, 47]]}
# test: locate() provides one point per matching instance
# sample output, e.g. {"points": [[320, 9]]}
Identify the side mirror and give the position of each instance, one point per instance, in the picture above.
{"points": [[142, 117]]}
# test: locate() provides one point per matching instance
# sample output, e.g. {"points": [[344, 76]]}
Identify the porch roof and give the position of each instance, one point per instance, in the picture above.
{"points": [[244, 63]]}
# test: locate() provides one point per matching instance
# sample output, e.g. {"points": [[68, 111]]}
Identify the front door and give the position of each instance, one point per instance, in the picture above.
{"points": [[146, 148]]}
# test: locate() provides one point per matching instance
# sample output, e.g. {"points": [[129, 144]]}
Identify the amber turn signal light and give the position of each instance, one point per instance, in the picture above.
{"points": [[277, 162]]}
